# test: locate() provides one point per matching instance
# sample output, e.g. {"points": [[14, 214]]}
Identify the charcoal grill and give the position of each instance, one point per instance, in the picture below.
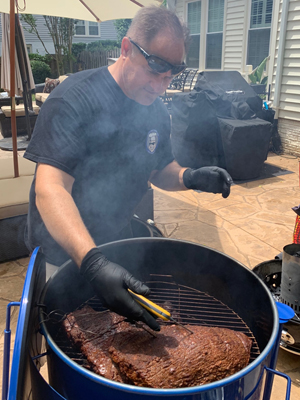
{"points": [[271, 274], [203, 285]]}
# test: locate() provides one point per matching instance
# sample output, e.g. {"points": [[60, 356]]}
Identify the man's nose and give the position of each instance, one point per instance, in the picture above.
{"points": [[161, 82]]}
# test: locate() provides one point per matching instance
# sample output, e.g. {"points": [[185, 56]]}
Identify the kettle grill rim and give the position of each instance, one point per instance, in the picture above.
{"points": [[166, 392]]}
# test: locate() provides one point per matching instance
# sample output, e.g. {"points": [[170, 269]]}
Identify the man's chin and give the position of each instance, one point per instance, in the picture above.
{"points": [[146, 99]]}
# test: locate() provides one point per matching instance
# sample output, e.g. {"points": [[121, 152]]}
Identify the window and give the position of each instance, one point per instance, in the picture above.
{"points": [[194, 23], [93, 29], [29, 48], [214, 38], [87, 28], [259, 32]]}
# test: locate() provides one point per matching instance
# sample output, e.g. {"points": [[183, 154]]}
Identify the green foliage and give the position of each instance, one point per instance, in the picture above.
{"points": [[37, 57], [256, 75], [122, 26], [40, 71], [31, 21], [102, 45], [77, 48]]}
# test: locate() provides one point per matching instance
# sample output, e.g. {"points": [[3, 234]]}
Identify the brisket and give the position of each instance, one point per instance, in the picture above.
{"points": [[174, 358]]}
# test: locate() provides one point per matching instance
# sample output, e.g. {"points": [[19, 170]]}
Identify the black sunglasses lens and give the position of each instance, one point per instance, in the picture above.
{"points": [[177, 69], [158, 65], [161, 66]]}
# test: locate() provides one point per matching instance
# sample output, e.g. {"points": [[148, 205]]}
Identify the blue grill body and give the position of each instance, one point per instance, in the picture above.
{"points": [[72, 382]]}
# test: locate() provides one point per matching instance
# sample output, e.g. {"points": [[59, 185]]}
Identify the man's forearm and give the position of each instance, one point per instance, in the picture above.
{"points": [[64, 223], [170, 178], [59, 212]]}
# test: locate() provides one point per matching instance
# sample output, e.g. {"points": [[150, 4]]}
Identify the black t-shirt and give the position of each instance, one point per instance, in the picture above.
{"points": [[109, 143]]}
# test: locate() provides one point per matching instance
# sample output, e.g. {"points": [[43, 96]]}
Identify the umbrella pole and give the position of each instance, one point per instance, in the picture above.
{"points": [[13, 88]]}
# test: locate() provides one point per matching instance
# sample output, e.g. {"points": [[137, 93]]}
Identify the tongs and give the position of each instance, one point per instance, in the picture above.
{"points": [[155, 309]]}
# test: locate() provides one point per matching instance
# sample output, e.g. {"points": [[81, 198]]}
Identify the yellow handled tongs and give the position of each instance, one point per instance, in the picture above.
{"points": [[155, 309]]}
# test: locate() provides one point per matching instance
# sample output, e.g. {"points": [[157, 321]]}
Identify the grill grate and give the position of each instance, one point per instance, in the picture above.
{"points": [[186, 305]]}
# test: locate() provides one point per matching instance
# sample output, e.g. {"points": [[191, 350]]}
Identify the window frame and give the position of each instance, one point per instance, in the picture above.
{"points": [[214, 33], [258, 28], [203, 32], [87, 26], [29, 48], [195, 34]]}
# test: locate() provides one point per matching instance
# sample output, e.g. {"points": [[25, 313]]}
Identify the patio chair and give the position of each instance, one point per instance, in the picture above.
{"points": [[181, 83]]}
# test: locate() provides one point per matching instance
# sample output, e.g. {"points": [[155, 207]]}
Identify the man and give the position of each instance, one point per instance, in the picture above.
{"points": [[100, 137]]}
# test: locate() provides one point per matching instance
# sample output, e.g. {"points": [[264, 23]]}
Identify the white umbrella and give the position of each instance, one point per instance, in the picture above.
{"points": [[5, 69], [90, 10], [5, 64]]}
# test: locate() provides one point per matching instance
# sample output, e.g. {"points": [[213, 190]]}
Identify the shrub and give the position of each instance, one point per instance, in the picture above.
{"points": [[37, 57], [102, 45], [40, 71], [77, 48], [122, 26]]}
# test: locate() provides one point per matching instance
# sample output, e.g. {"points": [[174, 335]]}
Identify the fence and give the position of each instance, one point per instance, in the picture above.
{"points": [[88, 60], [85, 60]]}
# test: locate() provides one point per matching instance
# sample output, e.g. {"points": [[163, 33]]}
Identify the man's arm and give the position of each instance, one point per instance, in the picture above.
{"points": [[170, 178], [59, 212], [62, 219]]}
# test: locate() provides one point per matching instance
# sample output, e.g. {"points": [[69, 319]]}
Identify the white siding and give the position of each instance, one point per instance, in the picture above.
{"points": [[107, 31], [289, 106], [235, 35], [180, 4], [235, 32], [288, 112]]}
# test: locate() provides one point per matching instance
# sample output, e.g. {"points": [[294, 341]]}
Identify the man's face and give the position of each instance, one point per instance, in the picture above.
{"points": [[139, 81]]}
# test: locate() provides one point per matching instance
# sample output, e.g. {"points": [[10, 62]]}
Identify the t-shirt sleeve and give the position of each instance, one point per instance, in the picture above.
{"points": [[58, 136]]}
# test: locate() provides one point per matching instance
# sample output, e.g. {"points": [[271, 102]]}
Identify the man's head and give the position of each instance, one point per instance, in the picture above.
{"points": [[159, 33]]}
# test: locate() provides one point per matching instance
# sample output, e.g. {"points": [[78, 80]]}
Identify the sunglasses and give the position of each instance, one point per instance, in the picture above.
{"points": [[159, 65]]}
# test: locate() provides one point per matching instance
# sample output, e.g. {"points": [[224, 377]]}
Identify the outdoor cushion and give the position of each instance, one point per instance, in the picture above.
{"points": [[50, 84], [42, 97], [14, 196], [26, 167], [20, 111], [61, 78]]}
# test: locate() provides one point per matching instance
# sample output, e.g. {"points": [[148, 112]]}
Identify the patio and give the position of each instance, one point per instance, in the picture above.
{"points": [[252, 226]]}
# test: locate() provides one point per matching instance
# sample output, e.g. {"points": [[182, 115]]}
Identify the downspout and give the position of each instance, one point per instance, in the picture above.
{"points": [[280, 56]]}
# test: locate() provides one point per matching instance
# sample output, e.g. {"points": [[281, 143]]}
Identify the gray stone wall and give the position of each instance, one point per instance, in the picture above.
{"points": [[289, 132]]}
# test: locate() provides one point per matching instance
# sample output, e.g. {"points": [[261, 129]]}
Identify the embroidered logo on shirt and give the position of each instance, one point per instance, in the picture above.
{"points": [[152, 141]]}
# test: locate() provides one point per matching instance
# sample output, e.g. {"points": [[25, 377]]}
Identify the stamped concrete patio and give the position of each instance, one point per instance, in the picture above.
{"points": [[252, 226]]}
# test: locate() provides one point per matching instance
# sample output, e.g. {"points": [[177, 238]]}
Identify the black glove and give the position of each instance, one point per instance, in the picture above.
{"points": [[110, 282], [208, 179]]}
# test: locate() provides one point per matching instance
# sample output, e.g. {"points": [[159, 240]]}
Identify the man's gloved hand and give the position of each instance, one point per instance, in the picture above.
{"points": [[110, 282], [208, 179]]}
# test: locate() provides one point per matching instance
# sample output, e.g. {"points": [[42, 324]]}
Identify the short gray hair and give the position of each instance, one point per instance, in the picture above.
{"points": [[149, 21]]}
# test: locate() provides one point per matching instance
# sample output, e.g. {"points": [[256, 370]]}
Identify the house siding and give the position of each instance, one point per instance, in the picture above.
{"points": [[107, 31], [288, 112], [234, 35], [235, 32]]}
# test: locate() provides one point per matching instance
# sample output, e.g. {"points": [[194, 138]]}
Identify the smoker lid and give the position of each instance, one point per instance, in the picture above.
{"points": [[23, 369]]}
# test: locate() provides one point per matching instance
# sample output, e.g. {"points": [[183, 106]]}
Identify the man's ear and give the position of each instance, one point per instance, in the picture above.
{"points": [[126, 47]]}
